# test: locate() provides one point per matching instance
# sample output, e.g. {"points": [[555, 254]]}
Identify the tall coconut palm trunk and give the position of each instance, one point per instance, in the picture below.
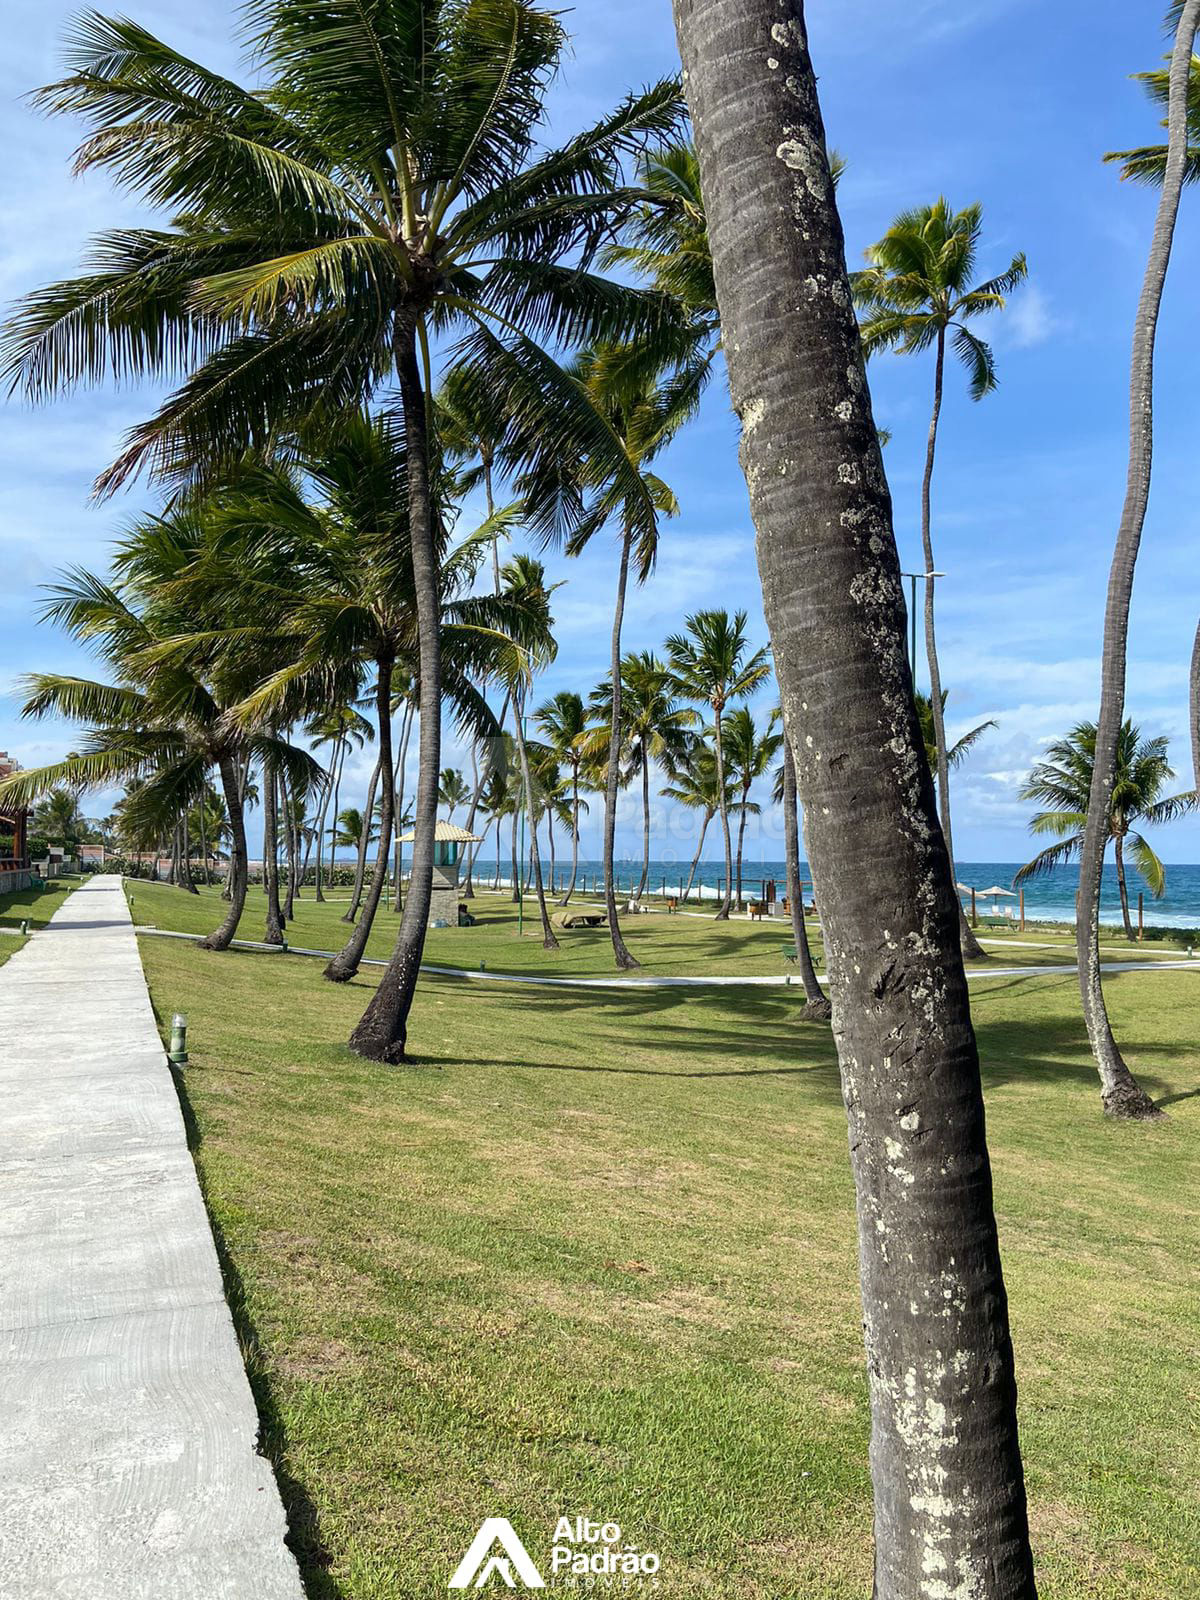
{"points": [[549, 942], [1122, 886], [741, 843], [950, 1511], [970, 944], [204, 839], [723, 807], [1121, 1094], [399, 777], [645, 822], [383, 1031], [621, 954], [817, 1007], [239, 869], [364, 843], [293, 850], [348, 960], [185, 857], [273, 933], [1194, 708], [708, 816], [570, 890]]}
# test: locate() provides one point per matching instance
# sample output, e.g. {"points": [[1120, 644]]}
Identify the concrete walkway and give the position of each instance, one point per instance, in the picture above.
{"points": [[128, 1467]]}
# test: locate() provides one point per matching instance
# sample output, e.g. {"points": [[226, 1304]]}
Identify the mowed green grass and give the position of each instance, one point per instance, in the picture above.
{"points": [[593, 1253], [35, 906], [667, 946]]}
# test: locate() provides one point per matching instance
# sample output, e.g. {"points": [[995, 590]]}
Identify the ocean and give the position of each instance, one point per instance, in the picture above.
{"points": [[1047, 899]]}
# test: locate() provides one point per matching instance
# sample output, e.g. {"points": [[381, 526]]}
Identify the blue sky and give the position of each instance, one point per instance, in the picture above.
{"points": [[1008, 102]]}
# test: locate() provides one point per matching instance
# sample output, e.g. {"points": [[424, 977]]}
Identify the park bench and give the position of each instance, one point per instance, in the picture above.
{"points": [[788, 952]]}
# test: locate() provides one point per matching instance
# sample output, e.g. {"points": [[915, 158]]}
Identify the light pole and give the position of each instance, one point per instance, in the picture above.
{"points": [[912, 617]]}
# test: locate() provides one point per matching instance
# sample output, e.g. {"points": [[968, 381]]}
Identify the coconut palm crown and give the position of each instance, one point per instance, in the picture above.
{"points": [[1062, 784]]}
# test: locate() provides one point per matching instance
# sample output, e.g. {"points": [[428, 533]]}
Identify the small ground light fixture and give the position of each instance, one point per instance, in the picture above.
{"points": [[177, 1055]]}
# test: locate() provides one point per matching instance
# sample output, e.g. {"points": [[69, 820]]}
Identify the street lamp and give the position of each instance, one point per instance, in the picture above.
{"points": [[912, 617]]}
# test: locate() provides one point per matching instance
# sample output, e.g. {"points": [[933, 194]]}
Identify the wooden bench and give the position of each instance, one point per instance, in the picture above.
{"points": [[788, 952], [758, 910]]}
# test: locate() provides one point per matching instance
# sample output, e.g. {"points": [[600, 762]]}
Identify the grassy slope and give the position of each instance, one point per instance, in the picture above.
{"points": [[595, 1255], [666, 945]]}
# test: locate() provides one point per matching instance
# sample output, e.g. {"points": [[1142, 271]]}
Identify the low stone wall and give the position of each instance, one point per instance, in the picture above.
{"points": [[14, 878]]}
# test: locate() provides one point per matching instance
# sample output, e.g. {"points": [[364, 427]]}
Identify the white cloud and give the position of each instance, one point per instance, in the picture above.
{"points": [[1029, 320]]}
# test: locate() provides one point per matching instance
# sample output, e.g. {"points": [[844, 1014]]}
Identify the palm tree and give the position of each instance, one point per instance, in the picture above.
{"points": [[653, 730], [817, 1007], [167, 720], [749, 754], [332, 581], [958, 752], [1119, 1090], [379, 196], [917, 295], [452, 791], [563, 723], [340, 729], [58, 816], [1148, 163], [712, 667], [353, 828], [643, 413], [523, 581], [944, 1456], [1063, 784], [694, 785]]}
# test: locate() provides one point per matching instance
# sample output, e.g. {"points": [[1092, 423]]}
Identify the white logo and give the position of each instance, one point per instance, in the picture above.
{"points": [[496, 1530]]}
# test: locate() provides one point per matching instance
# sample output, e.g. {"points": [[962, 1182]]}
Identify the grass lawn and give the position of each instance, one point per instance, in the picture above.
{"points": [[682, 945], [594, 1255], [36, 906]]}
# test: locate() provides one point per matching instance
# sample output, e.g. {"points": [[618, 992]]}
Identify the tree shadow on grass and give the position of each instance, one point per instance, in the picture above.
{"points": [[726, 1032], [304, 1537]]}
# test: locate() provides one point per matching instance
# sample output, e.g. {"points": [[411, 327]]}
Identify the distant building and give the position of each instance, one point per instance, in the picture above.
{"points": [[15, 870], [90, 855]]}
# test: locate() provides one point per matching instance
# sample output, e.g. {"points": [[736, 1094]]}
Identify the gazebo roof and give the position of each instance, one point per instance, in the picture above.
{"points": [[445, 833]]}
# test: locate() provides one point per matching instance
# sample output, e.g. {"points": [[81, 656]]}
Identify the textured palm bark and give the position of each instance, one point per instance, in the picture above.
{"points": [[1122, 886], [364, 843], [549, 942], [239, 869], [346, 963], [1120, 1092], [818, 1008], [570, 890], [273, 933], [621, 954], [950, 1512], [708, 816], [645, 761], [382, 1035], [1194, 709], [293, 853], [723, 807], [970, 944]]}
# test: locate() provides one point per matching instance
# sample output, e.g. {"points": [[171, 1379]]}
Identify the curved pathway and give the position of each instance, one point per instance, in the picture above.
{"points": [[128, 1460], [784, 980]]}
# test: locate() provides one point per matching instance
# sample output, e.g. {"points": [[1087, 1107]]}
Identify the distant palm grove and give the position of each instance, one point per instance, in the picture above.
{"points": [[406, 348]]}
